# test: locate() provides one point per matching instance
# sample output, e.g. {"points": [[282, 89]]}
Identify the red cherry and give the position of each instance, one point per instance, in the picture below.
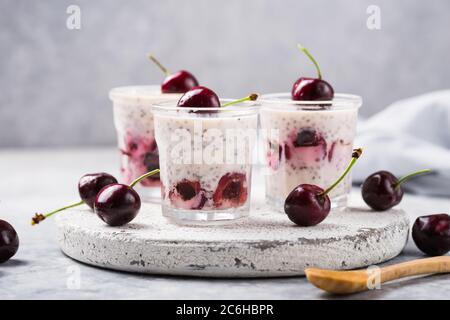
{"points": [[382, 190], [431, 234], [312, 89], [199, 97], [306, 205], [117, 204], [179, 82], [9, 241]]}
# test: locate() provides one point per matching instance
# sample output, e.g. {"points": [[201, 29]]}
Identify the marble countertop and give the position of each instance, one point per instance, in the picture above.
{"points": [[39, 180]]}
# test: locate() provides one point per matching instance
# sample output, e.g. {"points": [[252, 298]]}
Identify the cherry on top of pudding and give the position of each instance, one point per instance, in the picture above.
{"points": [[199, 97], [178, 82], [311, 89], [203, 97]]}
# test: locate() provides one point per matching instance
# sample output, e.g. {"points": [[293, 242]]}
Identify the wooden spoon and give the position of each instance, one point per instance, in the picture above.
{"points": [[345, 282]]}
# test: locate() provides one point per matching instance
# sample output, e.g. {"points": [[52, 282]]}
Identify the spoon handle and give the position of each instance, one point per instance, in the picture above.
{"points": [[416, 267]]}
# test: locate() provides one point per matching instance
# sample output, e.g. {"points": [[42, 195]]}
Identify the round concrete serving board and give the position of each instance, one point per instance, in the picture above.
{"points": [[266, 244]]}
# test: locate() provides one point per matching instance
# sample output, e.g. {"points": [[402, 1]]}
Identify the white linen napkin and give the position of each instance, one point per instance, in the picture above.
{"points": [[407, 136]]}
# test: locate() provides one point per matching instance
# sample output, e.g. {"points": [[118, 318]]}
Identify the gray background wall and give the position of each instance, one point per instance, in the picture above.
{"points": [[54, 81]]}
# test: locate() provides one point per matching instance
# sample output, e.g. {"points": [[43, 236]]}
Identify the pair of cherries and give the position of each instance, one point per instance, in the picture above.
{"points": [[115, 203], [382, 191], [308, 205]]}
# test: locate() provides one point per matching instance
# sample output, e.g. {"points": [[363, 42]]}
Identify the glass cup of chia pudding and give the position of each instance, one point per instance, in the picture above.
{"points": [[307, 142], [133, 121], [205, 161]]}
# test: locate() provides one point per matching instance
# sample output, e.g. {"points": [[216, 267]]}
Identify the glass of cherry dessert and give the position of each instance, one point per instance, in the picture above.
{"points": [[133, 121], [308, 138], [205, 149]]}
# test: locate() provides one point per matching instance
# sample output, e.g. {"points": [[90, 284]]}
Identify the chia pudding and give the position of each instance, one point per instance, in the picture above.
{"points": [[205, 161], [307, 143], [133, 121]]}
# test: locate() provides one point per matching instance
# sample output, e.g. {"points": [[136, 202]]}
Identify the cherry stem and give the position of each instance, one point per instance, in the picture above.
{"points": [[355, 156], [155, 61], [251, 97], [305, 51], [146, 175], [409, 176], [39, 217]]}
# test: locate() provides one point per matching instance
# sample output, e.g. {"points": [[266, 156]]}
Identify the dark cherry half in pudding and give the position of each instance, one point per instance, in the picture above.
{"points": [[308, 205], [312, 89], [231, 191], [382, 190], [178, 82], [188, 194]]}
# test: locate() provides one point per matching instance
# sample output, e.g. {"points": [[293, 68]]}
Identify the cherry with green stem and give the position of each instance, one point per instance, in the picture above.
{"points": [[312, 89], [382, 190], [308, 205], [178, 82], [203, 97], [90, 186]]}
